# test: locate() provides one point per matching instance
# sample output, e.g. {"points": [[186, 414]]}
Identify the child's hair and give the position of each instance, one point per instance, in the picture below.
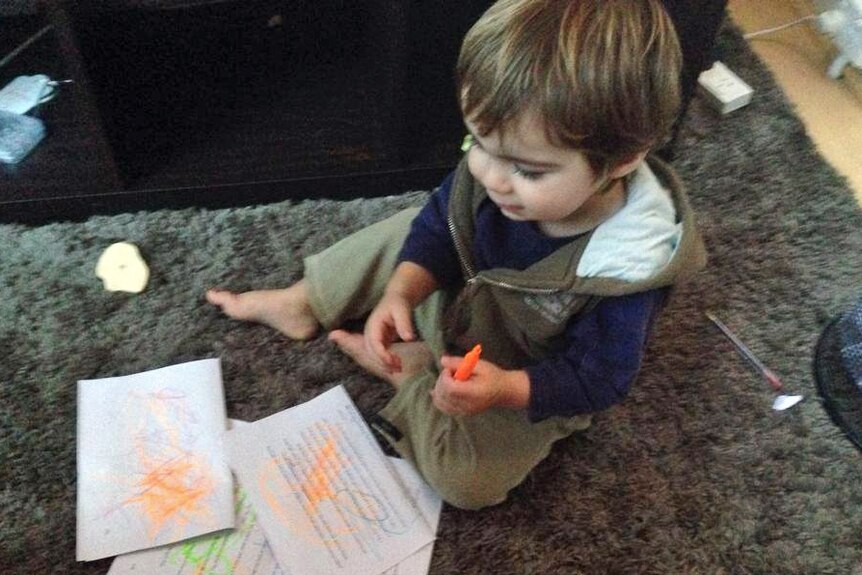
{"points": [[603, 75]]}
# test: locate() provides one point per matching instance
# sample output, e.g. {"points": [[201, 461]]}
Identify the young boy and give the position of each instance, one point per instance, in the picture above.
{"points": [[553, 244]]}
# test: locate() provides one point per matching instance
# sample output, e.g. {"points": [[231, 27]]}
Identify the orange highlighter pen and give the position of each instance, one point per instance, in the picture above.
{"points": [[465, 369]]}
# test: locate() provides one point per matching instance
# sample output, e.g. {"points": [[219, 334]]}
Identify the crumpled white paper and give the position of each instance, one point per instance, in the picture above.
{"points": [[121, 268]]}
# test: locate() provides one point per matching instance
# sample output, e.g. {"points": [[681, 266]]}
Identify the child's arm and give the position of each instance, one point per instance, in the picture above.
{"points": [[601, 361], [488, 386], [392, 317], [429, 243]]}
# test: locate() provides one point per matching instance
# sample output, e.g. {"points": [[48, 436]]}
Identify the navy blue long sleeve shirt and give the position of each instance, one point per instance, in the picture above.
{"points": [[605, 344]]}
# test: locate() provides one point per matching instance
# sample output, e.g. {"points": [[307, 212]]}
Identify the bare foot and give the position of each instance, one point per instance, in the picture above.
{"points": [[286, 310], [415, 356]]}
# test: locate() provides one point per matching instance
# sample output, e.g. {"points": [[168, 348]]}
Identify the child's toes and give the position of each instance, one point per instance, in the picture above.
{"points": [[219, 297]]}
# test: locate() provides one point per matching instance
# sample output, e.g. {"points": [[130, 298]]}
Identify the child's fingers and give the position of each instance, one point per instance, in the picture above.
{"points": [[377, 347], [463, 367], [403, 319], [450, 403], [447, 386], [450, 361], [442, 402], [389, 361]]}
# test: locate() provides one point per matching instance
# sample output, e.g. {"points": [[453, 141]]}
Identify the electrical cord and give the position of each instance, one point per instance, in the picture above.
{"points": [[759, 33], [23, 45]]}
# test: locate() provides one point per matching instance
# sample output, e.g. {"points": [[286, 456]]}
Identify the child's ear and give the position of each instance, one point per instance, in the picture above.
{"points": [[627, 165]]}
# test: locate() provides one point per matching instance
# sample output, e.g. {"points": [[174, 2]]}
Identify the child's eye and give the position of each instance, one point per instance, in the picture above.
{"points": [[527, 174]]}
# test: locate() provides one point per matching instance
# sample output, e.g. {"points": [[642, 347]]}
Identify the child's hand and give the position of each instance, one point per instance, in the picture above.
{"points": [[391, 320], [486, 388]]}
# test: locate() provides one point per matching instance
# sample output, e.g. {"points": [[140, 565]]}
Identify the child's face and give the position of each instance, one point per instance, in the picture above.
{"points": [[530, 179]]}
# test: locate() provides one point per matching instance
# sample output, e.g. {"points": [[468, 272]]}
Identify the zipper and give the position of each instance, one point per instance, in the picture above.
{"points": [[460, 250], [473, 278]]}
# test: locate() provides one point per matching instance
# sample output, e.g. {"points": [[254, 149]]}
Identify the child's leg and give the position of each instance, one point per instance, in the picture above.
{"points": [[471, 461], [344, 281]]}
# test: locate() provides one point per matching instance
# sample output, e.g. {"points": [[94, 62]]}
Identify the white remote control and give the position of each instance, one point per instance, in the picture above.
{"points": [[723, 89]]}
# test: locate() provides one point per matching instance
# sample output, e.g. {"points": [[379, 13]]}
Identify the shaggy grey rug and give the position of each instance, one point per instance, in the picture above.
{"points": [[693, 473]]}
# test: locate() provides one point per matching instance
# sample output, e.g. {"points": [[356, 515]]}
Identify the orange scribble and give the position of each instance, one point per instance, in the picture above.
{"points": [[275, 489], [172, 491], [175, 482], [318, 486]]}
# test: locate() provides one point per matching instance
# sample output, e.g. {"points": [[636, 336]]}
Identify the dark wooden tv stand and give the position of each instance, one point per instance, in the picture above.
{"points": [[218, 103], [237, 102]]}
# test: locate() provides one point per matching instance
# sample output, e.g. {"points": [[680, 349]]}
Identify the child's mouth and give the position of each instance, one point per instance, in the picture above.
{"points": [[508, 208]]}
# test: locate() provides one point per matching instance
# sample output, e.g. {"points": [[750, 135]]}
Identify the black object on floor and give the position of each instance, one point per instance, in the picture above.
{"points": [[842, 398]]}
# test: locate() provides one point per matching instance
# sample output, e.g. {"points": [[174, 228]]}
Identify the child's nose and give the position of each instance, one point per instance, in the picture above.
{"points": [[499, 178]]}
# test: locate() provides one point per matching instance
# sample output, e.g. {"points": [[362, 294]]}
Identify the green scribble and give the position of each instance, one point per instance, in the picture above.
{"points": [[208, 554]]}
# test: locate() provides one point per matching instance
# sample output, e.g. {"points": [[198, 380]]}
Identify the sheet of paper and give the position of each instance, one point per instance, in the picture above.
{"points": [[430, 504], [151, 469], [324, 492], [245, 551]]}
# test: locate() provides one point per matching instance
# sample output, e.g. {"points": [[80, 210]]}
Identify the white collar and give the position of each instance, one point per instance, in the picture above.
{"points": [[640, 239]]}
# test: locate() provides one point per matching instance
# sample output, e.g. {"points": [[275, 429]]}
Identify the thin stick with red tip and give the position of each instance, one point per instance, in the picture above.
{"points": [[465, 368], [743, 350]]}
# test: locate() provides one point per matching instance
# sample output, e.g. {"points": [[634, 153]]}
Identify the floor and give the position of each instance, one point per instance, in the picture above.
{"points": [[798, 57]]}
